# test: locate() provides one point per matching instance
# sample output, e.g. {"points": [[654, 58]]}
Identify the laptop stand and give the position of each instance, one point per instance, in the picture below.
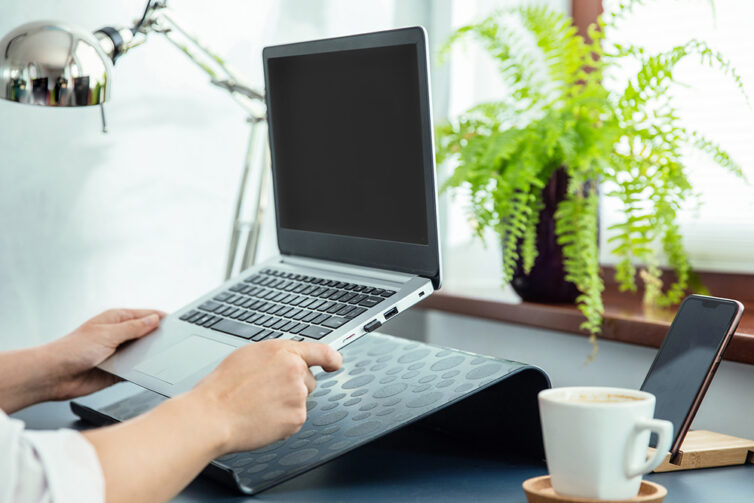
{"points": [[385, 384]]}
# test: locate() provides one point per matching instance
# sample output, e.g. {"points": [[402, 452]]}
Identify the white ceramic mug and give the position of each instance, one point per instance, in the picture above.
{"points": [[596, 440]]}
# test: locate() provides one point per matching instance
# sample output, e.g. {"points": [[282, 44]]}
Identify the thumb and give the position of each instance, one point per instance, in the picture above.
{"points": [[133, 329]]}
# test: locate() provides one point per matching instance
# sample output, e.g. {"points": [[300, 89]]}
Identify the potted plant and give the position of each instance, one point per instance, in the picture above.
{"points": [[533, 161]]}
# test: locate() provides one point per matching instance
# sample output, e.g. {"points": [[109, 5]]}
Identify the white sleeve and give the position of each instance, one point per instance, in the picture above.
{"points": [[47, 466]]}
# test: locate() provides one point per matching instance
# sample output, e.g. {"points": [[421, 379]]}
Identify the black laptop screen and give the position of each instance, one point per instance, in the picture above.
{"points": [[348, 143]]}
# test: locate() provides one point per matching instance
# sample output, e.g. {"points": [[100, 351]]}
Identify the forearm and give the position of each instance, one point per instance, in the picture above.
{"points": [[25, 378], [152, 457]]}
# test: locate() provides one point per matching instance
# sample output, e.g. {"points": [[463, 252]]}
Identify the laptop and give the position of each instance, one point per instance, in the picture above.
{"points": [[353, 172]]}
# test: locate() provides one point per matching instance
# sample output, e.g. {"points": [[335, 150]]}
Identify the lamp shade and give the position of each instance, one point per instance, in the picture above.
{"points": [[53, 64]]}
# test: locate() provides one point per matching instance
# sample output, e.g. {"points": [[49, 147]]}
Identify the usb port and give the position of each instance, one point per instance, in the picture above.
{"points": [[390, 313]]}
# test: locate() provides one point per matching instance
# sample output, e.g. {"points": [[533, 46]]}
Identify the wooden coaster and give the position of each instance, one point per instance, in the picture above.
{"points": [[707, 449], [539, 490]]}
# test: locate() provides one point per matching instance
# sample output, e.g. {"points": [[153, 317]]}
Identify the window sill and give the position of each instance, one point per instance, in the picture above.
{"points": [[626, 318]]}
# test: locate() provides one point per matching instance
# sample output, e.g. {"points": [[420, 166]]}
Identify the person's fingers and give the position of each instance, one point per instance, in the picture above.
{"points": [[121, 315], [317, 354], [133, 329], [310, 381]]}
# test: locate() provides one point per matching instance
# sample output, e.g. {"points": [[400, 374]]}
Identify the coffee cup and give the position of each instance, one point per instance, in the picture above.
{"points": [[596, 440]]}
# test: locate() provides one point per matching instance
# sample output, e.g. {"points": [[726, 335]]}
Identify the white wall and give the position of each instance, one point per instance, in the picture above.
{"points": [[727, 408]]}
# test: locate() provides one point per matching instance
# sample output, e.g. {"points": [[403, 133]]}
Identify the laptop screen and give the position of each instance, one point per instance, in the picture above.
{"points": [[348, 143]]}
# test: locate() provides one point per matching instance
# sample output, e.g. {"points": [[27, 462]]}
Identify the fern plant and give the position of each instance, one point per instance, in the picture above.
{"points": [[556, 113]]}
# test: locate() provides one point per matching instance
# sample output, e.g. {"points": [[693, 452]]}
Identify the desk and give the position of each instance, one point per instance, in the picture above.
{"points": [[414, 465]]}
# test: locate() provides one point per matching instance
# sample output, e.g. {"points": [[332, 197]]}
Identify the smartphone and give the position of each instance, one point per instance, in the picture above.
{"points": [[688, 358]]}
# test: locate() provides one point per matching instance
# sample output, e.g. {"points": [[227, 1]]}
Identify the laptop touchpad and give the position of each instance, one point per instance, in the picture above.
{"points": [[185, 358]]}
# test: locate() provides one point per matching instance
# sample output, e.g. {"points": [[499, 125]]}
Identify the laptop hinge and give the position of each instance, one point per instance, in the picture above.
{"points": [[358, 270]]}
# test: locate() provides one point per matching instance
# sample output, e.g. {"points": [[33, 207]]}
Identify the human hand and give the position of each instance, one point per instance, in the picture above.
{"points": [[74, 357], [257, 395]]}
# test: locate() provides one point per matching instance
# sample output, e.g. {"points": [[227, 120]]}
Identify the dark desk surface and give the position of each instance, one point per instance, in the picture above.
{"points": [[413, 465]]}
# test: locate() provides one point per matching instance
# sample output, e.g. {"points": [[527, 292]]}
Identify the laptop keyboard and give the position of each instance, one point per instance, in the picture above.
{"points": [[272, 302]]}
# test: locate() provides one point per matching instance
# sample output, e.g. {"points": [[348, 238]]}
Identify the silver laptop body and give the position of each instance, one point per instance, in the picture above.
{"points": [[355, 199]]}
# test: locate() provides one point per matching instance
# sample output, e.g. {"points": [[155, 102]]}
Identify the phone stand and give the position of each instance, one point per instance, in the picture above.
{"points": [[707, 449], [385, 384]]}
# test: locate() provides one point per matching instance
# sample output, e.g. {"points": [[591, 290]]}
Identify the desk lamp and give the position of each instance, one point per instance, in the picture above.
{"points": [[55, 64]]}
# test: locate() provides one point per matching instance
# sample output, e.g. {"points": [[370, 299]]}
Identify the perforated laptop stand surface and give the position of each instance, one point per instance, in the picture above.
{"points": [[385, 383]]}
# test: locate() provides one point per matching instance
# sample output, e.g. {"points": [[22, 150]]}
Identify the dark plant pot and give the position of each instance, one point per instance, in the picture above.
{"points": [[546, 281]]}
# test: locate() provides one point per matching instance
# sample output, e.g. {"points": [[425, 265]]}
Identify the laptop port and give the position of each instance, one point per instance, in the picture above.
{"points": [[390, 313]]}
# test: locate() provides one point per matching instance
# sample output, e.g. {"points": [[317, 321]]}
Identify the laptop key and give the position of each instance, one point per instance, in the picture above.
{"points": [[306, 302], [288, 326], [279, 297], [189, 314], [210, 306], [335, 308], [345, 309], [356, 312], [298, 328], [316, 304], [357, 299], [279, 325], [327, 305], [309, 317], [272, 321], [263, 334], [297, 339], [236, 328], [335, 322], [321, 318], [244, 316], [347, 296], [315, 332], [211, 321], [222, 296], [326, 294], [387, 293], [337, 295], [371, 301]]}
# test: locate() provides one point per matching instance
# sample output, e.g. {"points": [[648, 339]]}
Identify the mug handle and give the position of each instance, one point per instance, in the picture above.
{"points": [[664, 430]]}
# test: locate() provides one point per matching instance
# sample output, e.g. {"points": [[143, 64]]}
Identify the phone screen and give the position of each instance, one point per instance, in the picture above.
{"points": [[686, 356]]}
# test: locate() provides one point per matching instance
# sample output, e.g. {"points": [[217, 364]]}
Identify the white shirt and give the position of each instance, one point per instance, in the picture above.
{"points": [[47, 466]]}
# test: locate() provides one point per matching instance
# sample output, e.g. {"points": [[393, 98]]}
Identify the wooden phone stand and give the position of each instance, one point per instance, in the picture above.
{"points": [[707, 449]]}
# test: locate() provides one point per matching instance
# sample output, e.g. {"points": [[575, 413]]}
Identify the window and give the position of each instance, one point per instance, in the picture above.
{"points": [[719, 234]]}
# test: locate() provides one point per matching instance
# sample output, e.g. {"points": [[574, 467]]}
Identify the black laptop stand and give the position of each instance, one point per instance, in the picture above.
{"points": [[385, 384]]}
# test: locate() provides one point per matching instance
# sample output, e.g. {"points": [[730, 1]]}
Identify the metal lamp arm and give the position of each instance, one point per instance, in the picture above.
{"points": [[250, 200], [158, 18]]}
